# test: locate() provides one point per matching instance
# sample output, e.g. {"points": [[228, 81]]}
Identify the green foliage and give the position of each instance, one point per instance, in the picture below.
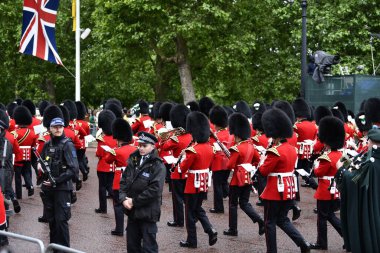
{"points": [[237, 50]]}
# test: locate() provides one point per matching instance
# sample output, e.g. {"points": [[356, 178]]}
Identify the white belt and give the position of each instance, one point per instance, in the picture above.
{"points": [[120, 168], [326, 177], [199, 171], [25, 147], [285, 174]]}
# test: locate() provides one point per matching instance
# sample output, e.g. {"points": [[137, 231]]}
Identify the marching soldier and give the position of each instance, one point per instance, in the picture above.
{"points": [[280, 190], [26, 139], [122, 133], [142, 122], [141, 188], [243, 107], [105, 171], [32, 108], [82, 124], [332, 134], [243, 154], [197, 163], [220, 172], [177, 143]]}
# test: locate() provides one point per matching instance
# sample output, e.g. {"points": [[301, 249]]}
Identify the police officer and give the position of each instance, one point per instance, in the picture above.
{"points": [[141, 188], [60, 154]]}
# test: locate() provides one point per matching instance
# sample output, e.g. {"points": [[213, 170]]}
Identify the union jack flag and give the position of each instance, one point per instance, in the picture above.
{"points": [[38, 30]]}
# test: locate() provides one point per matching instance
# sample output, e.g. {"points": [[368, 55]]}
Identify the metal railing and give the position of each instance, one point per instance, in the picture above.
{"points": [[49, 249]]}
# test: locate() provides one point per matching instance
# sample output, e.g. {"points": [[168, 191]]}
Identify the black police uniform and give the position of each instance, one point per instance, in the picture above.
{"points": [[144, 184], [61, 156]]}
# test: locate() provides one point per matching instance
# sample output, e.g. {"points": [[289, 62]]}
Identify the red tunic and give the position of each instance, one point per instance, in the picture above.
{"points": [[16, 148], [12, 125], [176, 144], [305, 130], [220, 159], [119, 157], [293, 140], [26, 139], [3, 218], [104, 140], [242, 152], [35, 122], [260, 139], [84, 130], [74, 138], [138, 126], [280, 159], [326, 171], [196, 165]]}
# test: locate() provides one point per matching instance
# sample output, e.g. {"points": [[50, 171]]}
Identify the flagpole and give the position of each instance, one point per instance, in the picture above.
{"points": [[77, 51]]}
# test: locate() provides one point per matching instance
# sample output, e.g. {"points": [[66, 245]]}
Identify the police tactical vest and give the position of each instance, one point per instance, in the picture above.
{"points": [[55, 157]]}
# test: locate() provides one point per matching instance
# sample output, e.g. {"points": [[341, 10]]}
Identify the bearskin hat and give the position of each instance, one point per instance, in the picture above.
{"points": [[42, 106], [205, 105], [4, 119], [18, 101], [256, 121], [82, 110], [115, 108], [238, 125], [121, 130], [362, 105], [22, 116], [115, 101], [10, 108], [218, 116], [337, 114], [287, 108], [70, 105], [144, 107], [301, 108], [361, 122], [164, 112], [30, 105], [156, 110], [350, 115], [193, 106], [371, 109], [277, 124], [51, 112], [342, 108], [321, 112], [198, 126], [178, 115], [331, 132], [228, 109], [243, 107], [66, 115], [258, 106], [105, 120]]}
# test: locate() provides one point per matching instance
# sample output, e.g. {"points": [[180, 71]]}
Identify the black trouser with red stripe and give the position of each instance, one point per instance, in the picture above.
{"points": [[24, 169], [194, 211], [326, 213], [178, 191], [81, 153], [275, 213], [240, 195], [221, 189]]}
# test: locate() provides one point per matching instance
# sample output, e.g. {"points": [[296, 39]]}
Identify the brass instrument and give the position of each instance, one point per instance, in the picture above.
{"points": [[174, 132], [221, 145]]}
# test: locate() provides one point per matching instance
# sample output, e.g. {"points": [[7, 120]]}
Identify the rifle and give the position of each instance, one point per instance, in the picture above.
{"points": [[45, 167], [221, 145]]}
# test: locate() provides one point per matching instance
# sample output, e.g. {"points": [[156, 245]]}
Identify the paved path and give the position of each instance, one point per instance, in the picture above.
{"points": [[90, 232]]}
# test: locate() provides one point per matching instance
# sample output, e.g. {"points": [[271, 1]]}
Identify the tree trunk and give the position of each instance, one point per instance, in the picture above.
{"points": [[161, 85], [184, 70], [50, 90]]}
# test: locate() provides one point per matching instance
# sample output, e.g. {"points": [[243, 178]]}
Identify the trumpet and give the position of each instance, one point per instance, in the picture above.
{"points": [[165, 135]]}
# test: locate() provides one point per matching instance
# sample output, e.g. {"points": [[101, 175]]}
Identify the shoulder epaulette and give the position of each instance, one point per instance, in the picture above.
{"points": [[274, 151], [295, 126], [191, 149], [174, 138], [113, 152], [234, 148], [324, 157], [40, 138], [14, 134], [138, 119], [255, 138], [100, 137]]}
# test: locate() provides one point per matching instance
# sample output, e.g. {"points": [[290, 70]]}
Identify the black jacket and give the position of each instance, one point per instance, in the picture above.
{"points": [[69, 160], [144, 184]]}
